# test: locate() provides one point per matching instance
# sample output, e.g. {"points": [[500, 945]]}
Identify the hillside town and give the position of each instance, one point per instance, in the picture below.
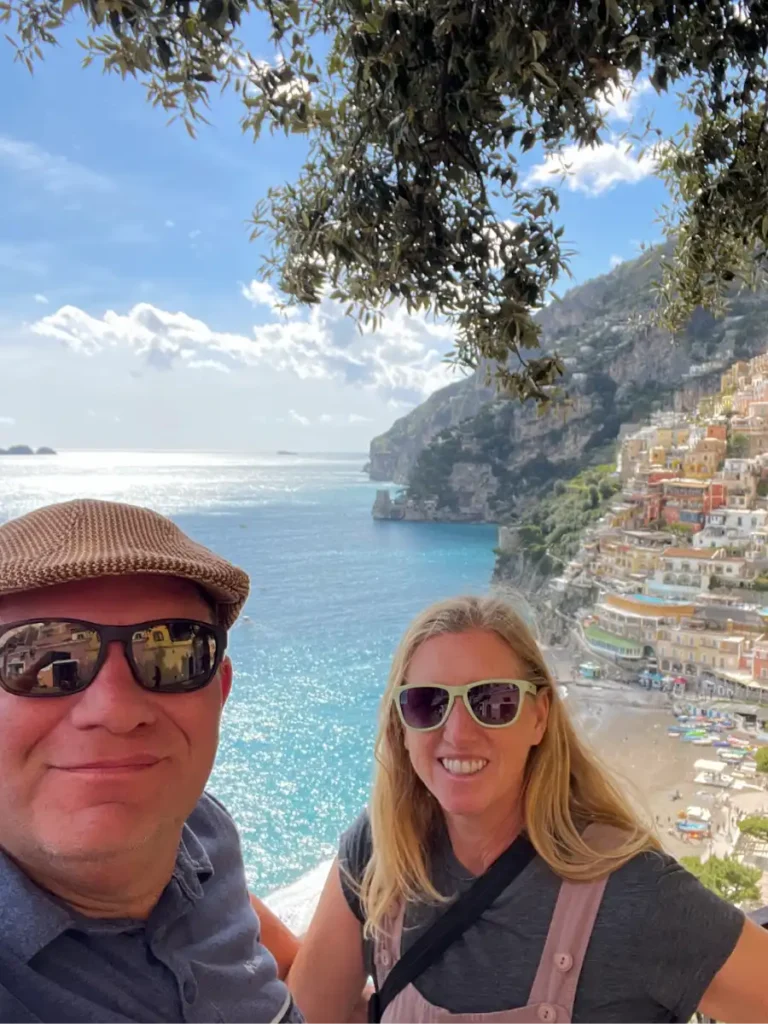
{"points": [[680, 560]]}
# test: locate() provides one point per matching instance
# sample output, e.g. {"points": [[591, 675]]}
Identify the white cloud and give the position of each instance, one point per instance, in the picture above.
{"points": [[261, 293], [170, 224], [619, 102], [8, 421], [402, 361], [55, 173], [195, 234], [595, 169], [303, 421], [616, 261], [208, 364], [42, 300], [341, 419]]}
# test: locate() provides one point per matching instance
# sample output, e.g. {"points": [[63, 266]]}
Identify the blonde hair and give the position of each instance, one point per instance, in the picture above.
{"points": [[565, 785]]}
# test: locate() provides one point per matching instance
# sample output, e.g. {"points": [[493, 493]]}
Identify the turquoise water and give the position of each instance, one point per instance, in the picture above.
{"points": [[332, 591]]}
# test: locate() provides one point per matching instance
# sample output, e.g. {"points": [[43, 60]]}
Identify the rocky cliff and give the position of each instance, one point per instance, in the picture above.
{"points": [[466, 454], [394, 454]]}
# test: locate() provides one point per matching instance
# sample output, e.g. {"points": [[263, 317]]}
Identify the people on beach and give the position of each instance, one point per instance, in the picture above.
{"points": [[122, 884], [499, 874]]}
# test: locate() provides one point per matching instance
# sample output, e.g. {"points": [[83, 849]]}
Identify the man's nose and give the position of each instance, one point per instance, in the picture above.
{"points": [[114, 700]]}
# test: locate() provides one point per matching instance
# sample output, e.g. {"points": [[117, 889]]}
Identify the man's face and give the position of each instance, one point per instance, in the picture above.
{"points": [[115, 767]]}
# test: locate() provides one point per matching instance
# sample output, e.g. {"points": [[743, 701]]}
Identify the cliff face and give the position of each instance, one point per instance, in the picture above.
{"points": [[394, 454], [466, 454]]}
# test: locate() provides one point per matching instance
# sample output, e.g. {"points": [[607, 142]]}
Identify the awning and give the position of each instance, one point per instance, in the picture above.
{"points": [[715, 767]]}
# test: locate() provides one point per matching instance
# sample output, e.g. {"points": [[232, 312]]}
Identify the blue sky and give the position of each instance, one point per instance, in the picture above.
{"points": [[131, 314]]}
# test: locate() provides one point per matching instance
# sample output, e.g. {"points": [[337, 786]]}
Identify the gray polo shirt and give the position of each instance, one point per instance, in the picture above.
{"points": [[197, 957]]}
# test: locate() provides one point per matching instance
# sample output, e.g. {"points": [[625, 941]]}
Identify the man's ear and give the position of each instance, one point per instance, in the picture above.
{"points": [[225, 678]]}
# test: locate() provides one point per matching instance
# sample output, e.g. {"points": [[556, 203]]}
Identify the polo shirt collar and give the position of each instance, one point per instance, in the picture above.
{"points": [[193, 865], [32, 918]]}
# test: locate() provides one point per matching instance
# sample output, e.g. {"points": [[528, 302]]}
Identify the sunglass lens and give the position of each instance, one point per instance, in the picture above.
{"points": [[48, 659], [423, 707], [174, 656], [495, 703]]}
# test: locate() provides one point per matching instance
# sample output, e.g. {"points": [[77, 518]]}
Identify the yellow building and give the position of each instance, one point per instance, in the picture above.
{"points": [[179, 657], [671, 437], [729, 381], [639, 618], [693, 651]]}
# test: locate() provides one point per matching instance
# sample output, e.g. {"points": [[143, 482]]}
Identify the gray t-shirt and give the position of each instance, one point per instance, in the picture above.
{"points": [[659, 938]]}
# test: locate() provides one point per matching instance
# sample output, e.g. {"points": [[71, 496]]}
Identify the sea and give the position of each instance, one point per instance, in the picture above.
{"points": [[331, 592]]}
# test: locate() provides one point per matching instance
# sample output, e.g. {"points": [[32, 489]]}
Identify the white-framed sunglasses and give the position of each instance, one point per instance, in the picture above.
{"points": [[492, 703]]}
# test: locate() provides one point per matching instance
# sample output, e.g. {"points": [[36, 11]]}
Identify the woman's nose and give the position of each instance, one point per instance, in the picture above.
{"points": [[459, 722]]}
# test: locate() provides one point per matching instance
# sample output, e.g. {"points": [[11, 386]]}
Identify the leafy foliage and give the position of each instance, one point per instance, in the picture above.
{"points": [[755, 825], [725, 876], [761, 759], [738, 447], [554, 525], [418, 114]]}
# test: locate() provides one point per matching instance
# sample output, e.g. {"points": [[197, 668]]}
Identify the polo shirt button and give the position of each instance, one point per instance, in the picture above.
{"points": [[385, 958], [189, 990], [563, 961], [547, 1013]]}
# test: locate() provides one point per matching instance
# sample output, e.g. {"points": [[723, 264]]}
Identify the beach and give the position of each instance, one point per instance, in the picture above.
{"points": [[627, 727]]}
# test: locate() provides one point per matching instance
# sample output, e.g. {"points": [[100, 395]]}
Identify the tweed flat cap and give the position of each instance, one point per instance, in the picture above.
{"points": [[86, 539]]}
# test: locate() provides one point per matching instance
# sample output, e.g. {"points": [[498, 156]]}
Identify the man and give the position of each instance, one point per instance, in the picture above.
{"points": [[122, 885]]}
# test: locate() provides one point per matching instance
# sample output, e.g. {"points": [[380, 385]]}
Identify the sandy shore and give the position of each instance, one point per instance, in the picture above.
{"points": [[628, 729]]}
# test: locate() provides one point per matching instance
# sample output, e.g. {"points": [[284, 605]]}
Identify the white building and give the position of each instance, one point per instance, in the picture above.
{"points": [[730, 528]]}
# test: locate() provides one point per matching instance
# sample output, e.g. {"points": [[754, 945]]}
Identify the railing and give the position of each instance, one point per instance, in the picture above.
{"points": [[760, 918]]}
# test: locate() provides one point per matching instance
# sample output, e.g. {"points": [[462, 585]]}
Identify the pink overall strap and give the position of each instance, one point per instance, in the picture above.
{"points": [[569, 933]]}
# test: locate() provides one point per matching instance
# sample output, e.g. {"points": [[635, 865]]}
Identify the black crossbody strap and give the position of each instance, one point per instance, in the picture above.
{"points": [[450, 925]]}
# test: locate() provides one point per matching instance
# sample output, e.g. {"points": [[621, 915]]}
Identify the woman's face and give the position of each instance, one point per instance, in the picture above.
{"points": [[473, 771]]}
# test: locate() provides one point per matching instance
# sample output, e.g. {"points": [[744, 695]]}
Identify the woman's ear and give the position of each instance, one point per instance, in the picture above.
{"points": [[541, 705]]}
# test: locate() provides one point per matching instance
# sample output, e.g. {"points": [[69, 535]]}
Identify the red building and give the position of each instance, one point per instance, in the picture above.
{"points": [[684, 502], [716, 496], [718, 430]]}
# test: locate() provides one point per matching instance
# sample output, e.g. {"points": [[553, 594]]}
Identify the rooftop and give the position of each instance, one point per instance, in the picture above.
{"points": [[602, 635], [720, 614], [690, 484], [702, 555]]}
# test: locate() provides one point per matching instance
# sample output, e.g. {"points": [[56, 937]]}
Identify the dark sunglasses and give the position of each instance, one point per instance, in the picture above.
{"points": [[493, 703], [58, 657]]}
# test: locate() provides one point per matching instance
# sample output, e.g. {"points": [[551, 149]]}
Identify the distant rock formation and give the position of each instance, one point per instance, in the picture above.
{"points": [[24, 449]]}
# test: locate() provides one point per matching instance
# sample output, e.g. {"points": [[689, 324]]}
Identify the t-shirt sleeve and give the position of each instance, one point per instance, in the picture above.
{"points": [[354, 853], [688, 934]]}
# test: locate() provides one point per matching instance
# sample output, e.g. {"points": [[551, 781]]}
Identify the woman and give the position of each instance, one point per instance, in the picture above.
{"points": [[475, 751]]}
